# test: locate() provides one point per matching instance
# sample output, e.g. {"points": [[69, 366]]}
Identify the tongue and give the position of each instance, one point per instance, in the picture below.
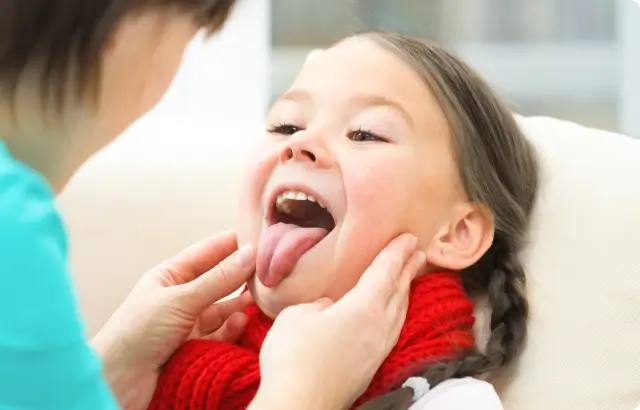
{"points": [[281, 246]]}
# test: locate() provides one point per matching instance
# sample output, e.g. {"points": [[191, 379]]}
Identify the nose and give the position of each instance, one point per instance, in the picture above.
{"points": [[291, 153], [306, 150]]}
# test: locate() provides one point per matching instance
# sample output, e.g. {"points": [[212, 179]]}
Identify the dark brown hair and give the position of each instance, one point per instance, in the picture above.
{"points": [[66, 38], [498, 170]]}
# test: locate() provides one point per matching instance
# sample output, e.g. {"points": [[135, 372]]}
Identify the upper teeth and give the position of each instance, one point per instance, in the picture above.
{"points": [[296, 195]]}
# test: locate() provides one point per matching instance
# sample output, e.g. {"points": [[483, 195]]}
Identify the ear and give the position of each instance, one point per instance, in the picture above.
{"points": [[463, 239]]}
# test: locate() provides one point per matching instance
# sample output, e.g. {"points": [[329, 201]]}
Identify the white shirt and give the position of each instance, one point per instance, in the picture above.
{"points": [[460, 394]]}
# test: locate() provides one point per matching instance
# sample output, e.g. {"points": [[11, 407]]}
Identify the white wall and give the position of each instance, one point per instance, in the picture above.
{"points": [[628, 19], [227, 76]]}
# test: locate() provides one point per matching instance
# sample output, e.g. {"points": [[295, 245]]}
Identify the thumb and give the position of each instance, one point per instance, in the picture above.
{"points": [[221, 281], [317, 306], [320, 305], [323, 304]]}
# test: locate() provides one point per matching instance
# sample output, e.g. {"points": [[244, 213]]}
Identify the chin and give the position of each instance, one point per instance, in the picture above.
{"points": [[311, 278], [298, 288], [292, 215], [272, 301]]}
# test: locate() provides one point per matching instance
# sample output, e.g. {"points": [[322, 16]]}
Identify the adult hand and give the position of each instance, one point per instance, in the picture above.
{"points": [[171, 303], [324, 354]]}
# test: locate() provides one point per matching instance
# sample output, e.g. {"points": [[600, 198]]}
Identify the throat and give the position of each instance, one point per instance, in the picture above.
{"points": [[438, 327], [53, 157], [220, 375]]}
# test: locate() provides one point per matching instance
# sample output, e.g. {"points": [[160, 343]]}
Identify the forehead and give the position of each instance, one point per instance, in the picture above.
{"points": [[358, 63], [356, 67]]}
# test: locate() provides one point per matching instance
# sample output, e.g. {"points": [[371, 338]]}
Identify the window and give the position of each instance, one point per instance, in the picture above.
{"points": [[546, 57]]}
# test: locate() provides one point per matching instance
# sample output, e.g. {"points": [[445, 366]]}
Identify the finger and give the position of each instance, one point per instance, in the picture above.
{"points": [[322, 304], [304, 309], [396, 312], [213, 317], [379, 281], [224, 279], [397, 323], [414, 266], [200, 257], [231, 330], [317, 306]]}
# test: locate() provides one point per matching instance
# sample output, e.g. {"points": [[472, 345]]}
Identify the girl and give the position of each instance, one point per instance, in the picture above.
{"points": [[73, 75], [381, 134]]}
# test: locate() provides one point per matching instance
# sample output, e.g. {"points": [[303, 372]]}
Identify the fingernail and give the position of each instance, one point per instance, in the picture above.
{"points": [[413, 241], [244, 256]]}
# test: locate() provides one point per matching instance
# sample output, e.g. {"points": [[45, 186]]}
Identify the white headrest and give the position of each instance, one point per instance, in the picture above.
{"points": [[583, 268]]}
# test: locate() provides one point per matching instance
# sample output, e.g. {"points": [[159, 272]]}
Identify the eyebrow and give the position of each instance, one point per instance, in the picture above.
{"points": [[365, 100]]}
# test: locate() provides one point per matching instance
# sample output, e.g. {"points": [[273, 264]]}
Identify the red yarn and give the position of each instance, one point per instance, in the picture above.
{"points": [[215, 375]]}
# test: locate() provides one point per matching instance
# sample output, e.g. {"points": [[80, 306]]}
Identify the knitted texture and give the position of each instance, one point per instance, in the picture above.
{"points": [[215, 375]]}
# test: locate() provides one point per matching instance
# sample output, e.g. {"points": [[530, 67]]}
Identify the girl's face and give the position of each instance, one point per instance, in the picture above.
{"points": [[360, 131]]}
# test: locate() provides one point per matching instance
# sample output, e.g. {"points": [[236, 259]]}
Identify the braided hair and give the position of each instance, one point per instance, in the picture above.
{"points": [[498, 169]]}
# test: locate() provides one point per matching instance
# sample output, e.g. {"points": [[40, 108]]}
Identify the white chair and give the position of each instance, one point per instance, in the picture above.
{"points": [[127, 213]]}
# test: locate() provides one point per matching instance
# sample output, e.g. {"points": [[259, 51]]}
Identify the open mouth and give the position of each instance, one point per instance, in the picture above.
{"points": [[297, 222], [301, 209]]}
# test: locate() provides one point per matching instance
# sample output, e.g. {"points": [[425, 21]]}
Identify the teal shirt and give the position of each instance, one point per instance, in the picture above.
{"points": [[45, 360]]}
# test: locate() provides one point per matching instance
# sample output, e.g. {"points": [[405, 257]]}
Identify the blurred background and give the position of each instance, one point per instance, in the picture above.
{"points": [[577, 60], [572, 59]]}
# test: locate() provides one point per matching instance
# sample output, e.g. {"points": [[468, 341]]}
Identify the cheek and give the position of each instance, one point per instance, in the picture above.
{"points": [[159, 82], [257, 170], [161, 71], [130, 89], [379, 194], [164, 60], [435, 192], [378, 197]]}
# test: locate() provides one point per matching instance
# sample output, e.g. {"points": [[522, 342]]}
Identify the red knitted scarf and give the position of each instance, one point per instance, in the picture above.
{"points": [[215, 375]]}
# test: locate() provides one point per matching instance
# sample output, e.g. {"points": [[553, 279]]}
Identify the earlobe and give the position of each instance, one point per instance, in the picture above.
{"points": [[463, 241]]}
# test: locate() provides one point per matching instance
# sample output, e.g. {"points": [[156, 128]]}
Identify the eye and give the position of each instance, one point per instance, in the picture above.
{"points": [[284, 129], [361, 135]]}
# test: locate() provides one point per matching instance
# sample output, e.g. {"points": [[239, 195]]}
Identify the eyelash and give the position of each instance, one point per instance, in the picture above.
{"points": [[366, 133], [283, 127], [288, 129]]}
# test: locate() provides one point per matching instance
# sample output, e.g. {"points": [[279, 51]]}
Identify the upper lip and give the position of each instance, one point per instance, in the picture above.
{"points": [[271, 199]]}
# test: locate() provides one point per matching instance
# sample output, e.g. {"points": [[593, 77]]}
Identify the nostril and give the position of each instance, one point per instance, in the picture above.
{"points": [[287, 154], [298, 155], [309, 155]]}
